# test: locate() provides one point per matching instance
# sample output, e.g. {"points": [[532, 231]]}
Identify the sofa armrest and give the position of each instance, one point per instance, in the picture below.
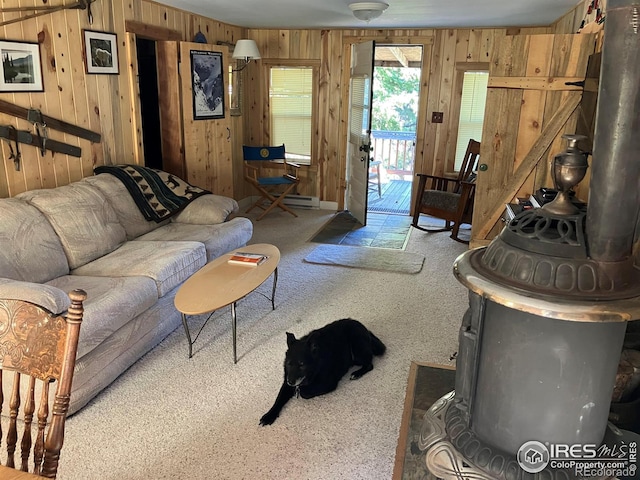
{"points": [[207, 210], [46, 296]]}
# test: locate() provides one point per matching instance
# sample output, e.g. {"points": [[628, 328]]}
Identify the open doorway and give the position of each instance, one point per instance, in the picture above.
{"points": [[394, 106], [149, 104]]}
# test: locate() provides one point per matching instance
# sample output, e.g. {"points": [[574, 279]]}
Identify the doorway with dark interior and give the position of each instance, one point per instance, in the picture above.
{"points": [[149, 104], [396, 90]]}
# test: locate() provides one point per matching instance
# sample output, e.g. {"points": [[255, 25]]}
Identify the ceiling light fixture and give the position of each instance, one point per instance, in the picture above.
{"points": [[246, 50], [367, 10]]}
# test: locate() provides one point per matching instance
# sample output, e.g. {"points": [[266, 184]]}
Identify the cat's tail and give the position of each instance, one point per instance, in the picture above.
{"points": [[377, 347]]}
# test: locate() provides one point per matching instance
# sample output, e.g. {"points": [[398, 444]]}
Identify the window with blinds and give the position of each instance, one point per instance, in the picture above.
{"points": [[290, 110], [359, 123], [474, 96]]}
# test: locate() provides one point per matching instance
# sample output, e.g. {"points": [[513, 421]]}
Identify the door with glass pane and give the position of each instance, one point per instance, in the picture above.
{"points": [[359, 135]]}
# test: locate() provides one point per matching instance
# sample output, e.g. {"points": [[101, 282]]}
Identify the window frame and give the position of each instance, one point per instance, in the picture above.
{"points": [[315, 74], [460, 69]]}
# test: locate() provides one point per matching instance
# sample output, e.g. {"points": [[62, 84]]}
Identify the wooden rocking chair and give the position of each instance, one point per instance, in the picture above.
{"points": [[38, 348], [450, 199]]}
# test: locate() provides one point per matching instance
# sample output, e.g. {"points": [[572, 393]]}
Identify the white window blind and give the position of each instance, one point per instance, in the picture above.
{"points": [[359, 113], [474, 96], [290, 110]]}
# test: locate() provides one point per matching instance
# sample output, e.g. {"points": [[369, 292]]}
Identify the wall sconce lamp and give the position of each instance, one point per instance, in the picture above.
{"points": [[246, 50], [367, 10]]}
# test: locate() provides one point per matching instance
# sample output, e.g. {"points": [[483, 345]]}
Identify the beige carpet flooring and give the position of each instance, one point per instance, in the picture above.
{"points": [[171, 417]]}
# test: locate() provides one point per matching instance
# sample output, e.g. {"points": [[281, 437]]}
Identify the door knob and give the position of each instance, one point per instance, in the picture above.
{"points": [[366, 147], [483, 167]]}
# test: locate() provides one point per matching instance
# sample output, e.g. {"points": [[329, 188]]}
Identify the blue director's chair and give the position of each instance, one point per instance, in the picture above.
{"points": [[272, 189]]}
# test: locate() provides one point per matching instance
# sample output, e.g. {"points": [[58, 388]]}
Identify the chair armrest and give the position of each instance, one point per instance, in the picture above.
{"points": [[437, 177], [434, 182], [466, 194]]}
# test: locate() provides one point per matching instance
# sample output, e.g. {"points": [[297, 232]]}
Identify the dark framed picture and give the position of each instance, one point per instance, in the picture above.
{"points": [[21, 67], [207, 78], [100, 52]]}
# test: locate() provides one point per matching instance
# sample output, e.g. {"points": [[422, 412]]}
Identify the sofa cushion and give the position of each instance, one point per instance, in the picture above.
{"points": [[167, 263], [129, 215], [30, 250], [207, 210], [111, 303], [83, 219], [47, 296], [218, 239], [108, 360]]}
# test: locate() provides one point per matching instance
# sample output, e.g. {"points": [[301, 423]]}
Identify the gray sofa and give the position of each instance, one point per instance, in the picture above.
{"points": [[90, 235]]}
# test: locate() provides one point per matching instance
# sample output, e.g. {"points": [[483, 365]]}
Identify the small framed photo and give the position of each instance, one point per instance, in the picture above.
{"points": [[207, 78], [100, 52], [21, 67]]}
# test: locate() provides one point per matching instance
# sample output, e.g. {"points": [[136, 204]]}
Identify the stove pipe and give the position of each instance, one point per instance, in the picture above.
{"points": [[614, 192]]}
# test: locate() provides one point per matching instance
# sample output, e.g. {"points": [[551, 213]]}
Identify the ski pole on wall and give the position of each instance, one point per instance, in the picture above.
{"points": [[45, 10], [37, 117]]}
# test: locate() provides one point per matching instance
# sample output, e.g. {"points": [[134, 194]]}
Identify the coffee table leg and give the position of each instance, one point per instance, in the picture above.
{"points": [[186, 330], [273, 292], [233, 330]]}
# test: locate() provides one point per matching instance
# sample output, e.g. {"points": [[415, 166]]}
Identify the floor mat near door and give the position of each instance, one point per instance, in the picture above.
{"points": [[381, 231]]}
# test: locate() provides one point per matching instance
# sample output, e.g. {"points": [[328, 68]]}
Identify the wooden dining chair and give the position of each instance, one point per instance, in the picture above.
{"points": [[37, 348], [450, 199], [258, 163]]}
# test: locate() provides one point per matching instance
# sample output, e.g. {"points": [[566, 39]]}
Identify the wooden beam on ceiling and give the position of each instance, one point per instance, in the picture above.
{"points": [[397, 53]]}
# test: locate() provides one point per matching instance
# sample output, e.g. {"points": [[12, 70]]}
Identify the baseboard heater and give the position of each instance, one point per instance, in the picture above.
{"points": [[301, 201]]}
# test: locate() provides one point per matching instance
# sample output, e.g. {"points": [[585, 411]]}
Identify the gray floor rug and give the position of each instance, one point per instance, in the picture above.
{"points": [[367, 258], [381, 231]]}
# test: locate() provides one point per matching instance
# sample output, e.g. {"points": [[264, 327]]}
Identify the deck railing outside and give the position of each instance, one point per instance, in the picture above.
{"points": [[396, 151]]}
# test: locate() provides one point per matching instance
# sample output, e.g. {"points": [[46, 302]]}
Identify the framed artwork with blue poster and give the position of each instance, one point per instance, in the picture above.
{"points": [[207, 78]]}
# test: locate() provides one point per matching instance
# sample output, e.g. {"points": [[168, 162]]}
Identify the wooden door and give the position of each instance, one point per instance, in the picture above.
{"points": [[170, 106], [195, 146], [530, 105], [359, 136]]}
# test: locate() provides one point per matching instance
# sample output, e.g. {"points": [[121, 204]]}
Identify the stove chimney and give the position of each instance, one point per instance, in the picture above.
{"points": [[614, 192]]}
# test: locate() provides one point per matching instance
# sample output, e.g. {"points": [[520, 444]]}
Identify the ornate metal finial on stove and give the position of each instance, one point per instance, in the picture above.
{"points": [[567, 170]]}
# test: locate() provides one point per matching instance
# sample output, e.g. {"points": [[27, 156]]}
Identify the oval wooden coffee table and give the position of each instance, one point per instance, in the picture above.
{"points": [[220, 283]]}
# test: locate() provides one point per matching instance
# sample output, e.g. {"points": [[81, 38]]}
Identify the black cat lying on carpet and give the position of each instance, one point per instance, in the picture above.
{"points": [[315, 363]]}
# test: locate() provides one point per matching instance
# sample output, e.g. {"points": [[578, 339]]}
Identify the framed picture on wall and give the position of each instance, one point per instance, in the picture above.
{"points": [[100, 52], [207, 79], [21, 67]]}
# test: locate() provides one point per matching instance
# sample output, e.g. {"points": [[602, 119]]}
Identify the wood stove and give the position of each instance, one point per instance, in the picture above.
{"points": [[549, 303]]}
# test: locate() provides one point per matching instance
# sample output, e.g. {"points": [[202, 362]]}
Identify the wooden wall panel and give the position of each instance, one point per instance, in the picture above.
{"points": [[107, 103], [522, 130], [103, 103]]}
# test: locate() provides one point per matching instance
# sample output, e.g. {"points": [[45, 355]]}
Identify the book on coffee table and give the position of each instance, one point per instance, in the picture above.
{"points": [[248, 259]]}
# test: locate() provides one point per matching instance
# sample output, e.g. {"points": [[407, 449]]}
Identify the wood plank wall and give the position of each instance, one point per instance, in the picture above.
{"points": [[105, 103], [444, 48], [102, 103]]}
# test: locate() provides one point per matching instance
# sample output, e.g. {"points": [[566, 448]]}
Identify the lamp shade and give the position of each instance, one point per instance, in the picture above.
{"points": [[367, 10], [246, 50]]}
